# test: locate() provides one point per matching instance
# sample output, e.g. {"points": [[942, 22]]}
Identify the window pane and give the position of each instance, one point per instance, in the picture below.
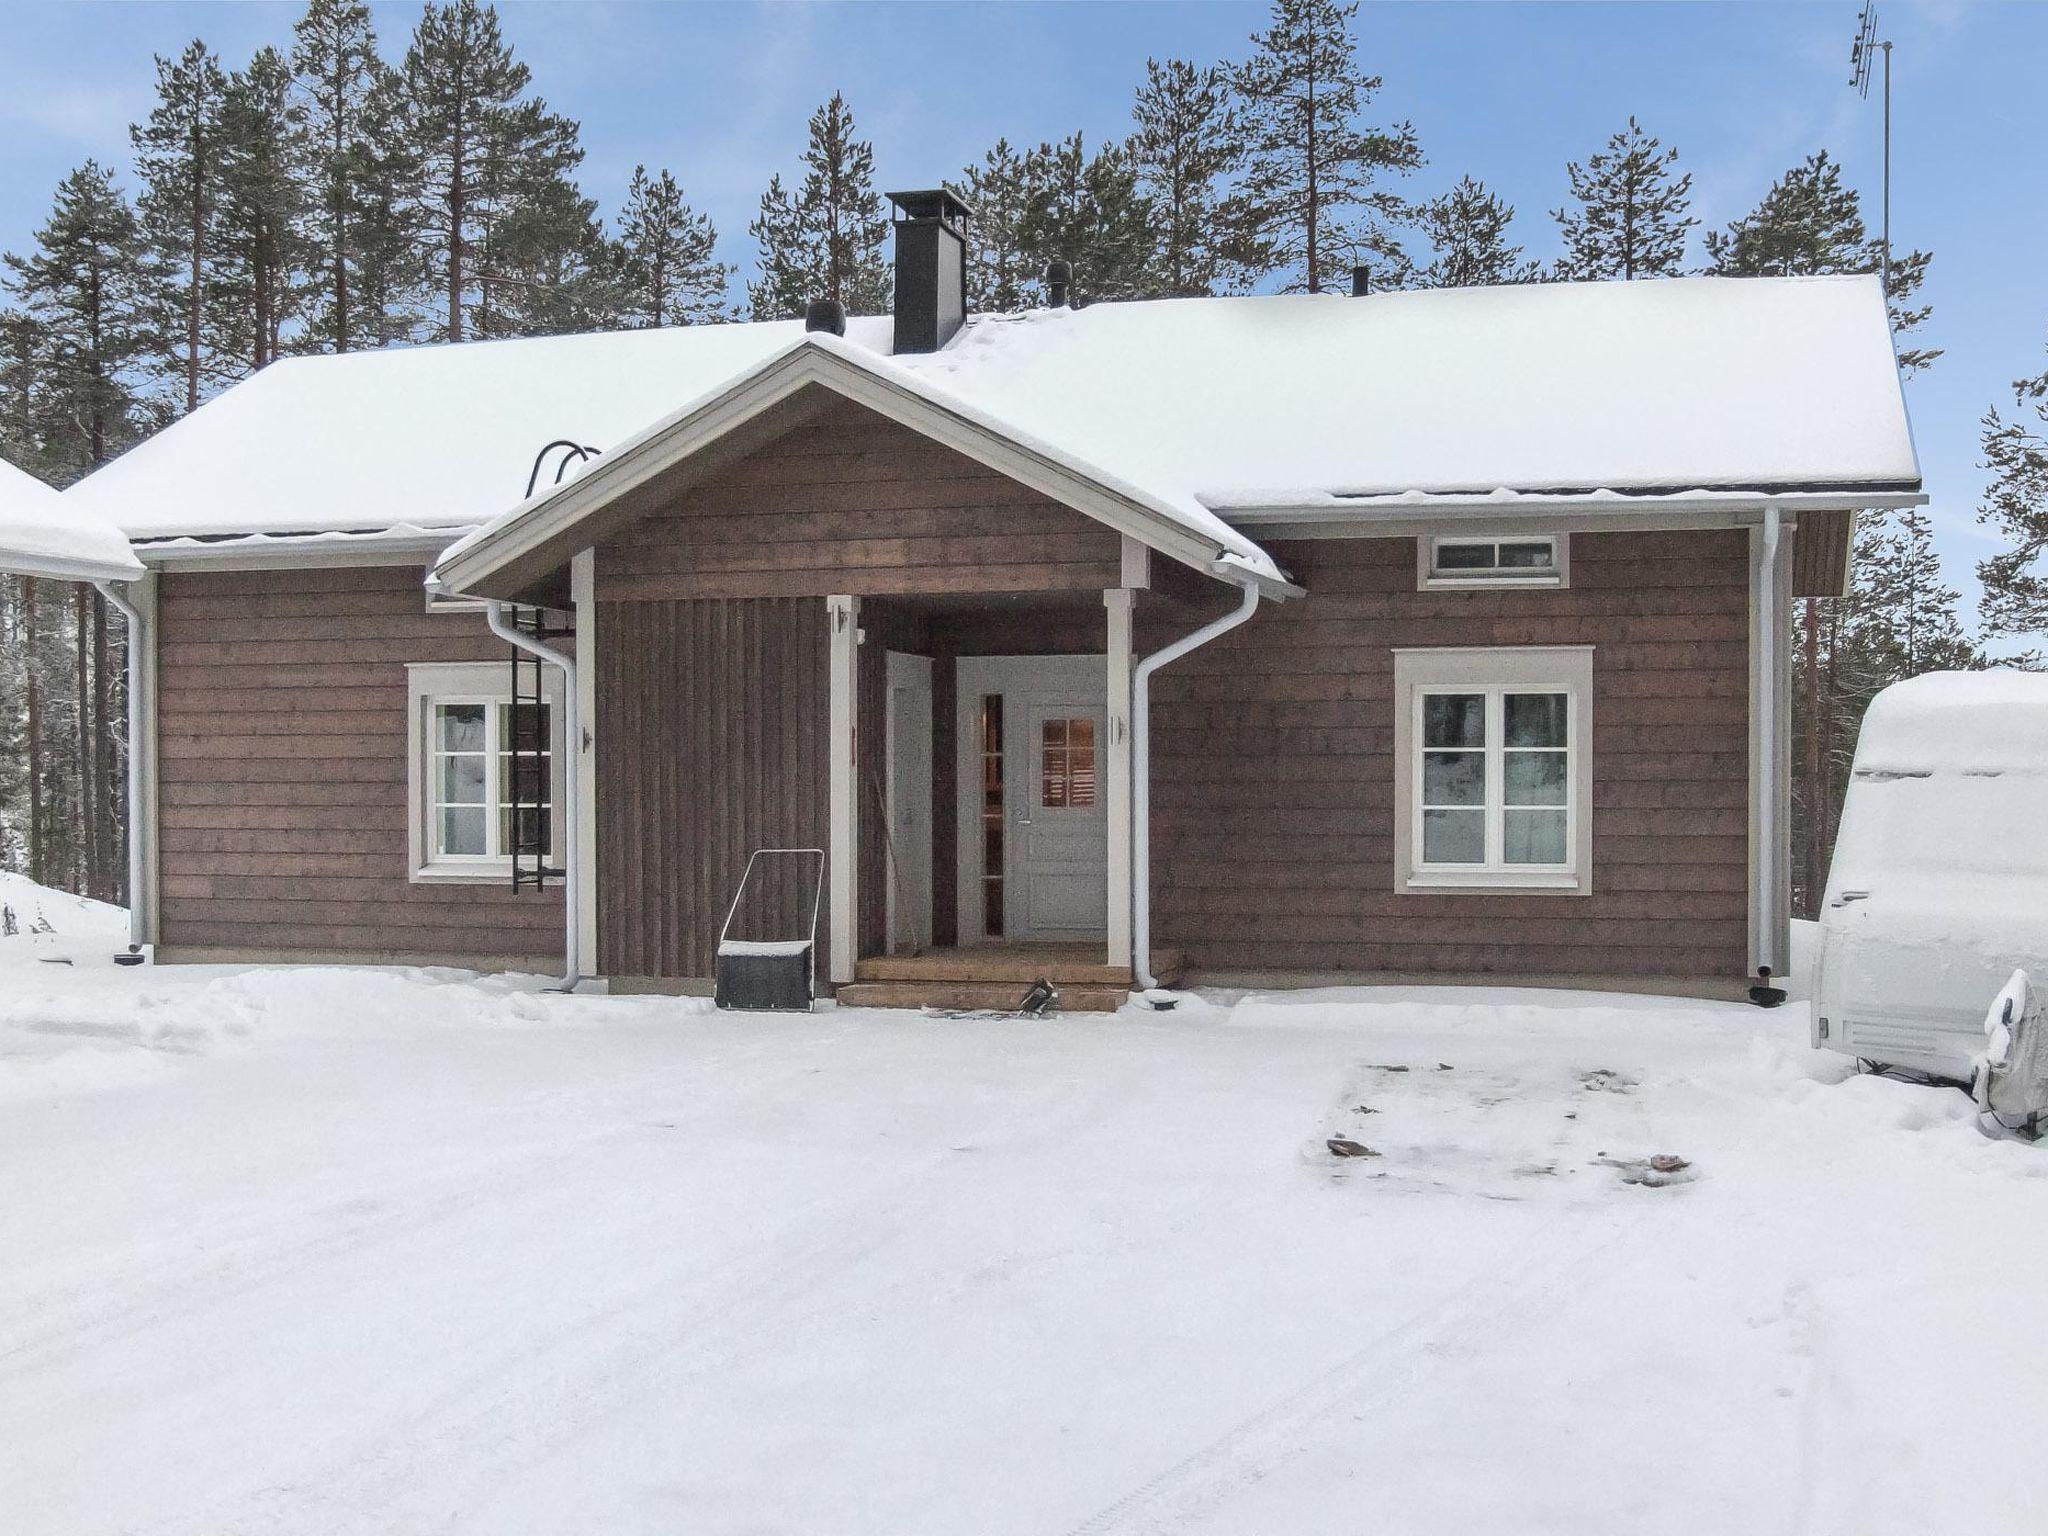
{"points": [[1464, 557], [1533, 837], [1526, 557], [527, 835], [1536, 719], [1454, 720], [462, 779], [1454, 837], [1454, 778], [1534, 778], [1081, 733], [462, 727], [524, 779], [462, 831]]}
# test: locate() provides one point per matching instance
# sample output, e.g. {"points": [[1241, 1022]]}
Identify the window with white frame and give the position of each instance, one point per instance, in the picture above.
{"points": [[484, 778], [1528, 561], [1494, 768]]}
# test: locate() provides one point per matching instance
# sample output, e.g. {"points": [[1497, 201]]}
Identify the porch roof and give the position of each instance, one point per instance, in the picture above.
{"points": [[41, 534]]}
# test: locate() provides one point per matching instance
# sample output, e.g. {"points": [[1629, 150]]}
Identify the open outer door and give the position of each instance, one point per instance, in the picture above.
{"points": [[908, 776]]}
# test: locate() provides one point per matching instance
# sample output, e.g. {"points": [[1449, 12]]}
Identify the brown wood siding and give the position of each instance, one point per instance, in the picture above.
{"points": [[1820, 553], [711, 742], [282, 728], [1273, 770], [848, 501]]}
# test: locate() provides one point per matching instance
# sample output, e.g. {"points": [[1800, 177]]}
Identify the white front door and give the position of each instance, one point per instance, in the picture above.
{"points": [[908, 750], [1034, 822]]}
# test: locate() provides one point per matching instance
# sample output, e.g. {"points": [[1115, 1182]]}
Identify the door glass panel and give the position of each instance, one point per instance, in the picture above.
{"points": [[992, 815], [1067, 764]]}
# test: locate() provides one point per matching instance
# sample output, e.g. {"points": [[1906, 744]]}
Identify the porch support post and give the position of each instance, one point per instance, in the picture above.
{"points": [[583, 754], [1770, 704], [1117, 772], [843, 837]]}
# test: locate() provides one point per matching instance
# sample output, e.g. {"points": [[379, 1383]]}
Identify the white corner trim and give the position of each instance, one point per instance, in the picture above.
{"points": [[483, 682], [1560, 668], [842, 613]]}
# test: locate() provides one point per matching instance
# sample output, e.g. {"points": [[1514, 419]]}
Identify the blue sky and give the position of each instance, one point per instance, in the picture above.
{"points": [[1507, 92]]}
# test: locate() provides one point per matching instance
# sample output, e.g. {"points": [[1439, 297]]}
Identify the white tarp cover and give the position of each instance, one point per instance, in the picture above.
{"points": [[1938, 888], [42, 534], [1690, 383]]}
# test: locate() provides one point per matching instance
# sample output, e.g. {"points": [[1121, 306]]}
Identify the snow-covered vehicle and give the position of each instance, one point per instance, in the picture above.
{"points": [[1938, 890]]}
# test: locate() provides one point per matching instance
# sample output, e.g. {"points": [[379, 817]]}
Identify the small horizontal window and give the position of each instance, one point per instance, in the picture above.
{"points": [[1529, 562]]}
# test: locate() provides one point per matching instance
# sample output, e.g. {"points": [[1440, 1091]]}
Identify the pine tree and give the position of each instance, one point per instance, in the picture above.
{"points": [[829, 238], [999, 274], [551, 271], [1630, 220], [1185, 150], [1468, 228], [485, 155], [178, 154], [669, 272], [1810, 224], [345, 93], [262, 242], [1311, 203], [1087, 211], [2015, 596]]}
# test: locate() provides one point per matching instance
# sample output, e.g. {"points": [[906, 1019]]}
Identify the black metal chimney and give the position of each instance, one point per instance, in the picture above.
{"points": [[1361, 281], [931, 268], [826, 315], [1059, 277]]}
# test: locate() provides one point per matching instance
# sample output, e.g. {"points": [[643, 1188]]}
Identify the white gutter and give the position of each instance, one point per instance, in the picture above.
{"points": [[1767, 748], [138, 760], [1141, 775], [572, 743]]}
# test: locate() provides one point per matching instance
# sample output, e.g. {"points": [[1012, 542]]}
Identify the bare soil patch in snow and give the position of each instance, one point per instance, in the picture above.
{"points": [[362, 1251]]}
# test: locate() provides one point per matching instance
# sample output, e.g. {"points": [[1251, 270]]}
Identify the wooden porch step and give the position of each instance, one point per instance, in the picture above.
{"points": [[1003, 995], [1012, 965]]}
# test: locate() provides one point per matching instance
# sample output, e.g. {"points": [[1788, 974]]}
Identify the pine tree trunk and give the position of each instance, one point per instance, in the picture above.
{"points": [[197, 294], [36, 866], [458, 212], [1314, 206]]}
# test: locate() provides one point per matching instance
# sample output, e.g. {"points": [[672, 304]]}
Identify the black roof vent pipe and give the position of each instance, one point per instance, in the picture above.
{"points": [[826, 315], [931, 268], [1059, 277], [1361, 281]]}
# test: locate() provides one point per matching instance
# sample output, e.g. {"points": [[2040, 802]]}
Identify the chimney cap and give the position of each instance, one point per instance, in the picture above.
{"points": [[1059, 281], [826, 315], [1361, 280], [935, 203]]}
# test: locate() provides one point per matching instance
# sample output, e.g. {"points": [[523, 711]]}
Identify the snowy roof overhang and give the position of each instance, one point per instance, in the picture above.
{"points": [[515, 551], [340, 547], [43, 534], [1705, 506]]}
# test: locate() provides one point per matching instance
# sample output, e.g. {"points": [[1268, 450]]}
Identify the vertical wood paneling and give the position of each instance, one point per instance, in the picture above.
{"points": [[714, 745]]}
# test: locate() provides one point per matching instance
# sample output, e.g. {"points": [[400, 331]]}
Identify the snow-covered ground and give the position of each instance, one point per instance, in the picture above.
{"points": [[398, 1252]]}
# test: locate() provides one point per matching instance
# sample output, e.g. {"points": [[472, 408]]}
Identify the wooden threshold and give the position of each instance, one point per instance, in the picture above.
{"points": [[1074, 965]]}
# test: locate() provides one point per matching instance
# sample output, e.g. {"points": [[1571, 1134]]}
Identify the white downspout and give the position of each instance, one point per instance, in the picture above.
{"points": [[1141, 775], [572, 742], [1767, 746], [138, 760]]}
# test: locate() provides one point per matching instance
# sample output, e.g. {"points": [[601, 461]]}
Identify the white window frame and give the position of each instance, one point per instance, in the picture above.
{"points": [[1429, 578], [429, 684], [1494, 671]]}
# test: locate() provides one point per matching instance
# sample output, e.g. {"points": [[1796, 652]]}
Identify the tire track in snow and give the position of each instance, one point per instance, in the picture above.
{"points": [[1367, 1380]]}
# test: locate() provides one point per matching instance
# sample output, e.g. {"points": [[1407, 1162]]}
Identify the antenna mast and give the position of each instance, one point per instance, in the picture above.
{"points": [[1861, 53]]}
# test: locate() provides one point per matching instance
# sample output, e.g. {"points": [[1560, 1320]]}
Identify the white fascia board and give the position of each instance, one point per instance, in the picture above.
{"points": [[264, 552], [632, 464], [1585, 514], [59, 568]]}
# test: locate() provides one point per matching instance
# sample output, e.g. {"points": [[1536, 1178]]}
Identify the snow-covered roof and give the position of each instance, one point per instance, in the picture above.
{"points": [[41, 534], [1715, 384]]}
